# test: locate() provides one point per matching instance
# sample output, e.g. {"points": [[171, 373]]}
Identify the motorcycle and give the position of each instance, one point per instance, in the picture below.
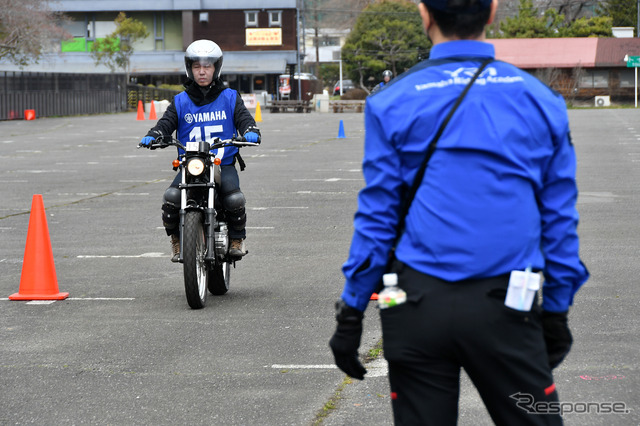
{"points": [[204, 239]]}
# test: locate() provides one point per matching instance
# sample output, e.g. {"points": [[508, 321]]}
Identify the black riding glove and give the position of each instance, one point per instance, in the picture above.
{"points": [[557, 336], [346, 340]]}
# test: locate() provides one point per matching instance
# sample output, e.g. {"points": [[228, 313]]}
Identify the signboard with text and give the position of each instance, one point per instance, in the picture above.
{"points": [[264, 36], [633, 61]]}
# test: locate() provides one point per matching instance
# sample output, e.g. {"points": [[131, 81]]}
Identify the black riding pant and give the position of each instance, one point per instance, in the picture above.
{"points": [[232, 200], [446, 326]]}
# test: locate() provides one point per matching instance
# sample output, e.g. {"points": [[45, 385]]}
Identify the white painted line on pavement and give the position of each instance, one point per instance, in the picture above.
{"points": [[324, 180], [304, 366], [131, 193], [324, 192], [101, 298], [48, 302], [117, 256], [279, 207], [376, 368]]}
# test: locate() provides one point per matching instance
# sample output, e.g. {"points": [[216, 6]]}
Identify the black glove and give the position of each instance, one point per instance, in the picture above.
{"points": [[557, 336], [346, 340]]}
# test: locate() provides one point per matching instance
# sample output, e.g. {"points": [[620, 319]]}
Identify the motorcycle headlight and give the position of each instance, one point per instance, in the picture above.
{"points": [[195, 167]]}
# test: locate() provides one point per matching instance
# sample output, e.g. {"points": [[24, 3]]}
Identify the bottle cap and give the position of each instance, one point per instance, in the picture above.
{"points": [[390, 279]]}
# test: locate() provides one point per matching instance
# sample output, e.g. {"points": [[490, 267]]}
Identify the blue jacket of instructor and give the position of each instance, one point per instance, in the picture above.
{"points": [[499, 195]]}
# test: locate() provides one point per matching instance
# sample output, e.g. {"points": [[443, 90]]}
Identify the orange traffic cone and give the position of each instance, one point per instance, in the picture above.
{"points": [[38, 280], [140, 111], [152, 112], [258, 113], [374, 296]]}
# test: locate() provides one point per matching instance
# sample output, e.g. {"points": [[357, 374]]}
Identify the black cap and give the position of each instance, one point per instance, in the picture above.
{"points": [[458, 6]]}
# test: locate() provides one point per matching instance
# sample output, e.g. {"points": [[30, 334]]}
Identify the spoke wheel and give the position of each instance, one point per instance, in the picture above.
{"points": [[195, 268]]}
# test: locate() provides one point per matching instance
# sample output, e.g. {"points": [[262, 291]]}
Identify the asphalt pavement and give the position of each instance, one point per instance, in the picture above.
{"points": [[125, 348]]}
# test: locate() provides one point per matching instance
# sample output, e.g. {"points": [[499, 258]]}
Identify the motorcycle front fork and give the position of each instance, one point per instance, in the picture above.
{"points": [[209, 220]]}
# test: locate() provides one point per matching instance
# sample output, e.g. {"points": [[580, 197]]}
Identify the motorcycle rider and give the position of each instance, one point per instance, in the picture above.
{"points": [[205, 110], [386, 77]]}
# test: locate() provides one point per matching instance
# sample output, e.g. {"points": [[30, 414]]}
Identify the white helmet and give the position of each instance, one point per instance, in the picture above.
{"points": [[203, 50]]}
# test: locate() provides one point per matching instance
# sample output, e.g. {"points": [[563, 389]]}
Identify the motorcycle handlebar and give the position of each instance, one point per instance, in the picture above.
{"points": [[161, 143]]}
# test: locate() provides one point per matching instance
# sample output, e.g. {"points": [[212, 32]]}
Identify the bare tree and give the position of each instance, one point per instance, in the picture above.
{"points": [[334, 14], [27, 29], [571, 9]]}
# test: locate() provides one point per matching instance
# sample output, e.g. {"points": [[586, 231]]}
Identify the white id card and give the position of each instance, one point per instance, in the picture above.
{"points": [[523, 285]]}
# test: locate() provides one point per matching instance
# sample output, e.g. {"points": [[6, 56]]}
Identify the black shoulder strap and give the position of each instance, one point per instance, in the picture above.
{"points": [[430, 149]]}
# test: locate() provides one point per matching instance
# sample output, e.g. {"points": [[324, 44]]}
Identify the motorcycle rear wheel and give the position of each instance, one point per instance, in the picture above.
{"points": [[195, 268]]}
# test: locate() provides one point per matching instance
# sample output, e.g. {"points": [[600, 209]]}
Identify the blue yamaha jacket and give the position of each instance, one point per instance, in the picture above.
{"points": [[499, 193]]}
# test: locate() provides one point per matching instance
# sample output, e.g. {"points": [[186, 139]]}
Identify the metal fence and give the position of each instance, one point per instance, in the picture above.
{"points": [[61, 94], [147, 94]]}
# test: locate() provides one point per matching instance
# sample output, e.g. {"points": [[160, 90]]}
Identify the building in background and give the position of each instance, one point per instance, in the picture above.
{"points": [[579, 68], [327, 48], [259, 39]]}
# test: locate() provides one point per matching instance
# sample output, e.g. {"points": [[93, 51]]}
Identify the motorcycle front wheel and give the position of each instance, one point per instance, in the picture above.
{"points": [[195, 268]]}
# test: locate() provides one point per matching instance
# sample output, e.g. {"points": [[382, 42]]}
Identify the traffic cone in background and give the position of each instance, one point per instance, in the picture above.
{"points": [[258, 113], [341, 131], [38, 280], [152, 112], [374, 296], [140, 111]]}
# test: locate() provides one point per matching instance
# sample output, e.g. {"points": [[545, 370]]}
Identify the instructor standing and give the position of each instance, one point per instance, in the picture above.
{"points": [[497, 202]]}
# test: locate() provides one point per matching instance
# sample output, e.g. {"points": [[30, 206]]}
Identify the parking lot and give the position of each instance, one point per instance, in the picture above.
{"points": [[125, 349]]}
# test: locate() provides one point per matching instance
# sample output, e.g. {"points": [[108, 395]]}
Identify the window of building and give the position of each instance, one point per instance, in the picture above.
{"points": [[251, 18], [627, 78], [158, 30], [76, 28], [601, 78], [275, 18], [101, 29], [594, 79]]}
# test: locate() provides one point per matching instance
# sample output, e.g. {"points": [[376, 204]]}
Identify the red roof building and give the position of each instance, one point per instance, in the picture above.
{"points": [[579, 68]]}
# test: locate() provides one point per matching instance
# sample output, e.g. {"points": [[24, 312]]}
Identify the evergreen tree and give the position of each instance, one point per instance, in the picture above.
{"points": [[387, 35], [529, 23], [624, 13]]}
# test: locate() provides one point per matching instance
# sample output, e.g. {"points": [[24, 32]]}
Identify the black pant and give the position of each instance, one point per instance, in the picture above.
{"points": [[446, 326], [229, 187]]}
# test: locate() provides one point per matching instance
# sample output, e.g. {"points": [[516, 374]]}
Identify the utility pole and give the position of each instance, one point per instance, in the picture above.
{"points": [[298, 47]]}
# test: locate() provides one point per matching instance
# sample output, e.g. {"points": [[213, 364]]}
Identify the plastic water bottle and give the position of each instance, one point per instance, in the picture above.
{"points": [[392, 295]]}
